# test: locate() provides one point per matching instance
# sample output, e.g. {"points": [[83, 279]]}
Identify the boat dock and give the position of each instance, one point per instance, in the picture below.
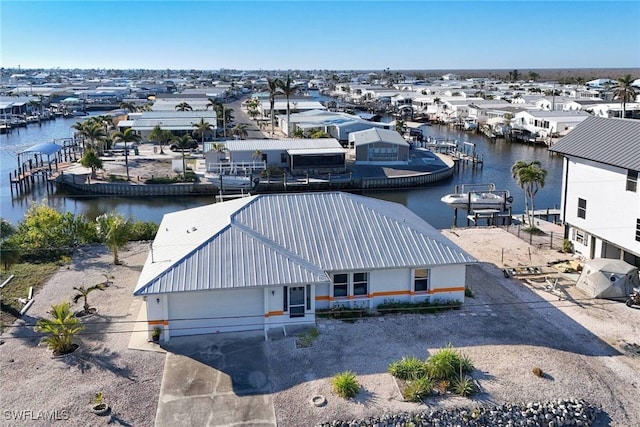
{"points": [[34, 168]]}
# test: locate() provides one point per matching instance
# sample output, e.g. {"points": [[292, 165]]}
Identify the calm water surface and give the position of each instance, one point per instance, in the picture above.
{"points": [[425, 201]]}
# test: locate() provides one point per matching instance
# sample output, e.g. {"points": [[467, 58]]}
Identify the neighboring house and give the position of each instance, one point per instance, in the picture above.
{"points": [[379, 147], [547, 123], [299, 155], [600, 192], [335, 124], [269, 261], [178, 122]]}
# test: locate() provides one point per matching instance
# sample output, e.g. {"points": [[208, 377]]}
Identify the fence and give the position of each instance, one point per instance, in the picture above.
{"points": [[544, 239]]}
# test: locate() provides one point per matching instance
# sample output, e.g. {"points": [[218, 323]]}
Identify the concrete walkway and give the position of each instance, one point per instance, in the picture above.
{"points": [[216, 380]]}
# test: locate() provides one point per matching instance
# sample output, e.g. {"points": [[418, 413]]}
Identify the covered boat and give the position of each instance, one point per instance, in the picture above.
{"points": [[478, 196]]}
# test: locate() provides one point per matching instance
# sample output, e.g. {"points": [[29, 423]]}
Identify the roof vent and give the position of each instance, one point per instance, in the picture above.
{"points": [[193, 229]]}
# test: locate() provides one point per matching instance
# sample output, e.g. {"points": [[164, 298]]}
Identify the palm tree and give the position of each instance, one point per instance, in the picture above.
{"points": [[202, 127], [114, 230], [91, 160], [272, 86], [61, 329], [84, 293], [96, 134], [287, 87], [240, 130], [530, 177], [625, 92], [218, 148], [183, 106], [183, 143], [129, 135], [130, 106], [400, 126], [160, 135]]}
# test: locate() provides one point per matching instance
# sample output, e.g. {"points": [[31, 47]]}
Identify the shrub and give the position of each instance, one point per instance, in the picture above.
{"points": [[143, 230], [306, 339], [60, 330], [408, 368], [391, 307], [445, 363], [342, 312], [468, 292], [567, 246], [443, 386], [345, 384], [537, 372], [418, 389], [463, 386]]}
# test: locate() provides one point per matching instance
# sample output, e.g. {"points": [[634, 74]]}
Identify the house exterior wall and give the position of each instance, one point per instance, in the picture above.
{"points": [[363, 153], [603, 187], [209, 312], [274, 157]]}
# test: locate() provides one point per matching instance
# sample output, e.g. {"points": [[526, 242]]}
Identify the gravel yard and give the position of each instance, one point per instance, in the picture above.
{"points": [[585, 347], [33, 380]]}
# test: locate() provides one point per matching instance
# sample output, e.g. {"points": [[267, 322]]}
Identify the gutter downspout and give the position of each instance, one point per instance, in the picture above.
{"points": [[564, 207]]}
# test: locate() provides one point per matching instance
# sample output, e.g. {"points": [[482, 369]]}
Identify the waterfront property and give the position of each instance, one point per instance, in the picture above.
{"points": [[379, 146], [600, 194], [178, 122], [270, 261], [335, 124]]}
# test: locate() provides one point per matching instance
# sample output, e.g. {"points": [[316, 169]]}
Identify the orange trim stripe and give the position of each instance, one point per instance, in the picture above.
{"points": [[274, 313], [323, 298], [435, 291], [389, 293], [158, 322]]}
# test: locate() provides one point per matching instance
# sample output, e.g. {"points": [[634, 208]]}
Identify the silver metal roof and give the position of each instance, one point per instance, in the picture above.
{"points": [[288, 239], [280, 144], [614, 142], [369, 136]]}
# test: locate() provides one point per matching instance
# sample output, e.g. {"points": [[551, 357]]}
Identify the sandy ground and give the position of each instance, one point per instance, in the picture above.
{"points": [[588, 348], [34, 384]]}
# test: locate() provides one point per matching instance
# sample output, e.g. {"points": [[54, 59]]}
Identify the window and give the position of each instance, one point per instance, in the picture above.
{"points": [[582, 208], [632, 181], [638, 230], [360, 284], [285, 298], [421, 280], [283, 157], [340, 285]]}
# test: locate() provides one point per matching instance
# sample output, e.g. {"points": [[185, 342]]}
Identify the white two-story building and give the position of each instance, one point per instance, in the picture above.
{"points": [[600, 192]]}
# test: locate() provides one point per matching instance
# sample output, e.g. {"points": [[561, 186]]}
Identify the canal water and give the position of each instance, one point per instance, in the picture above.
{"points": [[424, 201]]}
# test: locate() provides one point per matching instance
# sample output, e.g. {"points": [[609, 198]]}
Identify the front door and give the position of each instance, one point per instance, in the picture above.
{"points": [[296, 301]]}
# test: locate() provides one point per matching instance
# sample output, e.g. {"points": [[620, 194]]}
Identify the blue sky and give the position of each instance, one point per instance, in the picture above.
{"points": [[320, 35]]}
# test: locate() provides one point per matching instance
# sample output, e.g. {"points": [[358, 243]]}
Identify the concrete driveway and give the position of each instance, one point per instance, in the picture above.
{"points": [[216, 380]]}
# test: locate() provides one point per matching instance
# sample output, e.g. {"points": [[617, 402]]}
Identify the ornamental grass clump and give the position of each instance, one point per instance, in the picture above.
{"points": [[445, 363], [408, 368], [345, 384], [418, 389]]}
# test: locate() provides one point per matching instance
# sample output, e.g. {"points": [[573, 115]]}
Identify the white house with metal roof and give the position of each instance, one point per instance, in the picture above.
{"points": [[600, 192], [299, 155], [336, 124], [269, 261], [547, 123], [178, 122]]}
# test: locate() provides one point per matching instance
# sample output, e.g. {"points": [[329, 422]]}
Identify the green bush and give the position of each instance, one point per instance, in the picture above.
{"points": [[143, 230], [391, 307], [342, 312], [418, 389], [408, 368], [463, 386], [345, 384], [446, 362]]}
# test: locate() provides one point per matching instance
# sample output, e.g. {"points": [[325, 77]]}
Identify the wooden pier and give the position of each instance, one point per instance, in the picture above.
{"points": [[34, 168]]}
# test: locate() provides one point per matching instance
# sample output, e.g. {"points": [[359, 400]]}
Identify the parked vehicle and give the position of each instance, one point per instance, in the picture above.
{"points": [[634, 298]]}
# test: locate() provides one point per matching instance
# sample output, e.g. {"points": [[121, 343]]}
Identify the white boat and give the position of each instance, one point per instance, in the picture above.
{"points": [[478, 196], [230, 182]]}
